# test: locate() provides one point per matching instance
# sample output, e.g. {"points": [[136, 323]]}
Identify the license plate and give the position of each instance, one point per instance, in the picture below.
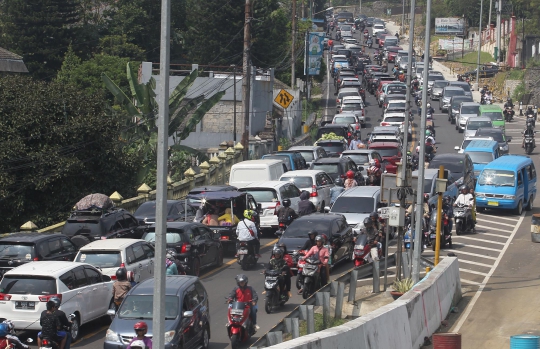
{"points": [[242, 252], [432, 236], [493, 203], [25, 305]]}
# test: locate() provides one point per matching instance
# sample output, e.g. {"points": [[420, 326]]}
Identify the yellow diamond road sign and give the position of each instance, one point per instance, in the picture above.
{"points": [[284, 98]]}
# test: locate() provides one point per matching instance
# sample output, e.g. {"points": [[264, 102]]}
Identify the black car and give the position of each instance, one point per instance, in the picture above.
{"points": [[20, 248], [194, 243], [209, 188], [187, 314], [369, 22], [94, 224], [338, 167], [453, 109], [498, 136], [333, 147], [338, 130], [334, 226], [460, 165], [177, 210]]}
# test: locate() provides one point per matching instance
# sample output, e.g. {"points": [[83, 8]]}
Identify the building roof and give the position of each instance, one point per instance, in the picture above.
{"points": [[11, 62]]}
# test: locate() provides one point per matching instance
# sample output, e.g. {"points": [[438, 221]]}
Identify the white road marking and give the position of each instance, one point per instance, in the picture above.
{"points": [[475, 263], [470, 282], [498, 217], [458, 252], [472, 272], [491, 228], [480, 247], [498, 223], [481, 240], [489, 234], [468, 310]]}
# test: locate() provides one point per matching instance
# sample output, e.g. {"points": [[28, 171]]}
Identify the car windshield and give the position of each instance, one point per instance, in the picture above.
{"points": [[28, 284], [331, 169], [100, 259], [466, 143], [394, 118], [450, 93], [440, 83], [10, 250], [149, 209], [465, 87], [472, 109], [427, 185], [481, 157], [494, 115], [358, 159], [454, 166], [300, 228], [475, 125], [141, 307], [387, 152], [344, 120], [347, 204], [497, 136], [346, 28], [172, 237], [498, 178], [301, 182]]}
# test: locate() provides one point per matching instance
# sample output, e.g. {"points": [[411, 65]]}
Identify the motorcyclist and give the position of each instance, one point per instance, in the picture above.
{"points": [[288, 259], [425, 208], [448, 210], [141, 328], [530, 115], [369, 42], [50, 326], [120, 287], [170, 265], [350, 182], [4, 341], [508, 103], [374, 236], [429, 150], [374, 172], [246, 294], [429, 110], [66, 324], [310, 241], [172, 256], [246, 231], [11, 337], [430, 137], [336, 190], [488, 97], [529, 131], [305, 206], [278, 263], [465, 199], [286, 214], [322, 253]]}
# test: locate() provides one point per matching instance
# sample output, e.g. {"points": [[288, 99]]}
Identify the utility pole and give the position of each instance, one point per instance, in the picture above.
{"points": [[360, 9], [420, 189], [479, 44], [246, 82], [306, 67], [293, 54], [489, 15], [439, 217], [158, 320], [498, 49], [234, 105], [403, 20]]}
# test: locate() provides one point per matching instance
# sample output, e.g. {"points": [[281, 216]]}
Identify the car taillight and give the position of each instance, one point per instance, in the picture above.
{"points": [[113, 277], [35, 259], [276, 208], [45, 342], [185, 248], [356, 76], [49, 296], [281, 225], [5, 297], [357, 126], [385, 124], [314, 191], [224, 237]]}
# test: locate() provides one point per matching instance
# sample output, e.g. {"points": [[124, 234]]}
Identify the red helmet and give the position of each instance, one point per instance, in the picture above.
{"points": [[324, 237], [350, 174], [377, 163], [141, 325]]}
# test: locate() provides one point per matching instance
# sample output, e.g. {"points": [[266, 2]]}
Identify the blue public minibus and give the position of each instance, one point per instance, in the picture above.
{"points": [[508, 182], [482, 152]]}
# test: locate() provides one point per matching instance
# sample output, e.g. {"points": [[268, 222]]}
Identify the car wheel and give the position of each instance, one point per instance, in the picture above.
{"points": [[530, 204], [195, 267], [219, 262], [519, 208], [75, 328], [205, 339]]}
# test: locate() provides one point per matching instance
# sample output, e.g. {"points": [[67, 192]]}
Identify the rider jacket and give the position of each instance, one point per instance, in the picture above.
{"points": [[464, 199], [244, 230], [245, 294], [286, 215], [305, 206], [277, 264]]}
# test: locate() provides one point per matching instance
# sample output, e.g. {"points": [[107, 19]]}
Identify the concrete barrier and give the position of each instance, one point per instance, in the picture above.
{"points": [[402, 324]]}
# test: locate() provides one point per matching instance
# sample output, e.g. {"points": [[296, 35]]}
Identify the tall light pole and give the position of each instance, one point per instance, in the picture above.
{"points": [[498, 8], [293, 53], [479, 44]]}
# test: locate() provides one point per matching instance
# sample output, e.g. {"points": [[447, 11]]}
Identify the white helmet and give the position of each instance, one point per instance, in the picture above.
{"points": [[429, 105], [138, 344]]}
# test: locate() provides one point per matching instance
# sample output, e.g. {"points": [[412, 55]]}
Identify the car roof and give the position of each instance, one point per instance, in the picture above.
{"points": [[329, 126], [265, 184], [223, 187], [384, 145], [469, 104], [28, 237], [45, 268], [487, 130], [305, 147], [250, 163], [481, 144], [480, 118], [319, 217], [301, 173], [358, 151], [110, 244], [508, 161], [330, 160], [173, 285], [363, 191], [449, 88], [449, 157]]}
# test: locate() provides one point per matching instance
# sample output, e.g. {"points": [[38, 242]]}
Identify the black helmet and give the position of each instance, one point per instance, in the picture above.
{"points": [[121, 274], [241, 278], [374, 215], [463, 187], [286, 202], [277, 251], [313, 232], [283, 247], [447, 199], [530, 107], [338, 182], [368, 223]]}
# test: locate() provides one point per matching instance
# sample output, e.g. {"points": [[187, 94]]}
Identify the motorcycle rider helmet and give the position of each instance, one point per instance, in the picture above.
{"points": [[338, 182], [121, 274], [368, 223], [428, 133], [463, 189], [141, 325], [277, 251], [248, 214], [319, 238], [312, 232], [530, 108], [4, 330], [11, 327], [374, 215], [426, 197], [447, 199], [56, 301], [283, 248], [350, 174], [241, 278], [138, 344], [286, 202], [428, 105]]}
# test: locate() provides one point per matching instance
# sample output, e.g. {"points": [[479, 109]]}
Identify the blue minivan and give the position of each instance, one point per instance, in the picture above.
{"points": [[482, 152], [508, 183]]}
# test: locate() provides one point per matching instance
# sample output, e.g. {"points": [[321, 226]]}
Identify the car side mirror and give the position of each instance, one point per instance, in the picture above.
{"points": [[187, 314], [326, 209], [111, 312], [106, 278], [259, 208], [279, 233], [456, 148]]}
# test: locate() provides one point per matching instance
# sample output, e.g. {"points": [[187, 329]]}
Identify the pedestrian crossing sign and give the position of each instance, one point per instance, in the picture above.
{"points": [[284, 99]]}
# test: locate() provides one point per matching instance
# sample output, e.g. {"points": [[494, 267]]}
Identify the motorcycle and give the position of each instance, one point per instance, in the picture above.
{"points": [[246, 255], [311, 276], [274, 295], [508, 114], [364, 252], [531, 119], [446, 232], [529, 144], [408, 239], [49, 343], [239, 326], [463, 219], [281, 228]]}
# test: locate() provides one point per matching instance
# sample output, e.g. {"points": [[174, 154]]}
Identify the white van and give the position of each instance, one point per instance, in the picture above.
{"points": [[250, 171]]}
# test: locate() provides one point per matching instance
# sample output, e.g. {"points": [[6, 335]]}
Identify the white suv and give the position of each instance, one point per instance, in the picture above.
{"points": [[83, 290], [109, 255], [316, 182]]}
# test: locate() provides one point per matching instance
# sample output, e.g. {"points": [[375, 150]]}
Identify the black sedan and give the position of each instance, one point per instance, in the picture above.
{"points": [[176, 211], [334, 226], [195, 244]]}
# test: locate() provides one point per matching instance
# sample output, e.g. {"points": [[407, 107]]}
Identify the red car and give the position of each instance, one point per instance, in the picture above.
{"points": [[390, 152], [392, 53]]}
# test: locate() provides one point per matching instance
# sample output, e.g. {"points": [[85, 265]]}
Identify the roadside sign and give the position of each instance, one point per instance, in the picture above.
{"points": [[384, 212], [389, 181], [284, 99]]}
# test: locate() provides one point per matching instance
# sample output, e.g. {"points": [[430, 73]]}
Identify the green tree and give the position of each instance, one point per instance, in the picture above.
{"points": [[40, 31], [58, 145]]}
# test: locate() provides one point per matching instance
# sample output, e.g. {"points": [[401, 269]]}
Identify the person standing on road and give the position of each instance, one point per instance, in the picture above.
{"points": [[356, 143]]}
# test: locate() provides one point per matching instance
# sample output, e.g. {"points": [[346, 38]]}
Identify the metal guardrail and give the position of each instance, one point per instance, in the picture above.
{"points": [[321, 297]]}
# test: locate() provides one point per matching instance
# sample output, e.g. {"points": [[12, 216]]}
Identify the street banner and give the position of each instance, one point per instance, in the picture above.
{"points": [[450, 26], [315, 47]]}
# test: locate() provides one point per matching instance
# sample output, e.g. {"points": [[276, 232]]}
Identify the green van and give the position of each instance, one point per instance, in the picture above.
{"points": [[495, 113]]}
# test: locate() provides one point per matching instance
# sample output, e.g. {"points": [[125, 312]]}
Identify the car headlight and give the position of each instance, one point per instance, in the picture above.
{"points": [[511, 197], [504, 147], [480, 195], [169, 335], [111, 336]]}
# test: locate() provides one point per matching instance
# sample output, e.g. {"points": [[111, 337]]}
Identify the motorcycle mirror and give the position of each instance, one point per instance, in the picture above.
{"points": [[188, 314], [110, 312], [456, 147], [278, 233], [29, 340]]}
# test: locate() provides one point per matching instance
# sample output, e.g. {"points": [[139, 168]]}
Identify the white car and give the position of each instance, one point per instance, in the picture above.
{"points": [[317, 183], [270, 195], [377, 28], [83, 290], [109, 255], [468, 140], [395, 104]]}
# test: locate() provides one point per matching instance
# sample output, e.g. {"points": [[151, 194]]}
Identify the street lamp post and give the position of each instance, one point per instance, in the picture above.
{"points": [[479, 44]]}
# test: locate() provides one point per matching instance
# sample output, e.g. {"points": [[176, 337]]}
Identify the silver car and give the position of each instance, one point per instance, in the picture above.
{"points": [[465, 86], [449, 92], [466, 110], [357, 203], [310, 152], [316, 182], [474, 124], [437, 88]]}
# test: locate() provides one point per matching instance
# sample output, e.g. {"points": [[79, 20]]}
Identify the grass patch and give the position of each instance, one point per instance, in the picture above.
{"points": [[309, 107], [332, 322], [317, 90], [516, 74], [471, 58]]}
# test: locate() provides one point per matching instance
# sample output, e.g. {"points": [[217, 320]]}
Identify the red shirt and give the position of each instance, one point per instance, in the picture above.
{"points": [[245, 295]]}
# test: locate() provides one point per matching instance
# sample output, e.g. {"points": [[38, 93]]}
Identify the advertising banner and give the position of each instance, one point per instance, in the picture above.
{"points": [[450, 26], [315, 47]]}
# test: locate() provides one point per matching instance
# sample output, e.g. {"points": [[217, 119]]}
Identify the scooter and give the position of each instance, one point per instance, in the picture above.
{"points": [[508, 114], [446, 233], [246, 255], [281, 228], [364, 252], [239, 326], [274, 295], [463, 219], [531, 119], [529, 144], [311, 276]]}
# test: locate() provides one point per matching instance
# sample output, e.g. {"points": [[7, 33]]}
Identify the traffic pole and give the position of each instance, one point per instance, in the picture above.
{"points": [[439, 210]]}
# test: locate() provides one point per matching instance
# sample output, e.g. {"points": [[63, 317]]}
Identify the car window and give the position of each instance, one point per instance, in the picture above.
{"points": [[252, 204], [520, 178], [138, 252], [194, 235], [342, 226], [68, 279], [117, 225], [67, 246], [201, 292], [191, 298], [205, 233], [284, 192], [55, 248], [129, 221], [294, 191], [93, 276], [174, 210], [80, 278], [130, 257], [328, 179], [319, 180], [148, 250], [335, 228], [27, 284], [531, 173]]}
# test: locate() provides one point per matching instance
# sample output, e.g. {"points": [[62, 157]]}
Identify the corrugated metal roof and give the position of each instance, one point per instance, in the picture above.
{"points": [[11, 62]]}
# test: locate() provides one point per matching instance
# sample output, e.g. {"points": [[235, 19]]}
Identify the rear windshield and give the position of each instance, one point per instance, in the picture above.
{"points": [[497, 136], [435, 77], [148, 209], [386, 152], [262, 194], [475, 125], [440, 83], [344, 120], [394, 118], [173, 237], [450, 93], [481, 157], [397, 105], [331, 169], [100, 259], [494, 115], [301, 228], [348, 94], [473, 109], [352, 106], [300, 182], [455, 166], [353, 205], [465, 87], [28, 284], [308, 155], [359, 159], [427, 185], [16, 251], [141, 307]]}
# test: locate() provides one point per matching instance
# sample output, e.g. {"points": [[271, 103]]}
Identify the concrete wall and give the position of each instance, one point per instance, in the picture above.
{"points": [[402, 324]]}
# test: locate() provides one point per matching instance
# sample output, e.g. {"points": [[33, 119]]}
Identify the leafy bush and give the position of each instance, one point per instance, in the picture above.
{"points": [[403, 285]]}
